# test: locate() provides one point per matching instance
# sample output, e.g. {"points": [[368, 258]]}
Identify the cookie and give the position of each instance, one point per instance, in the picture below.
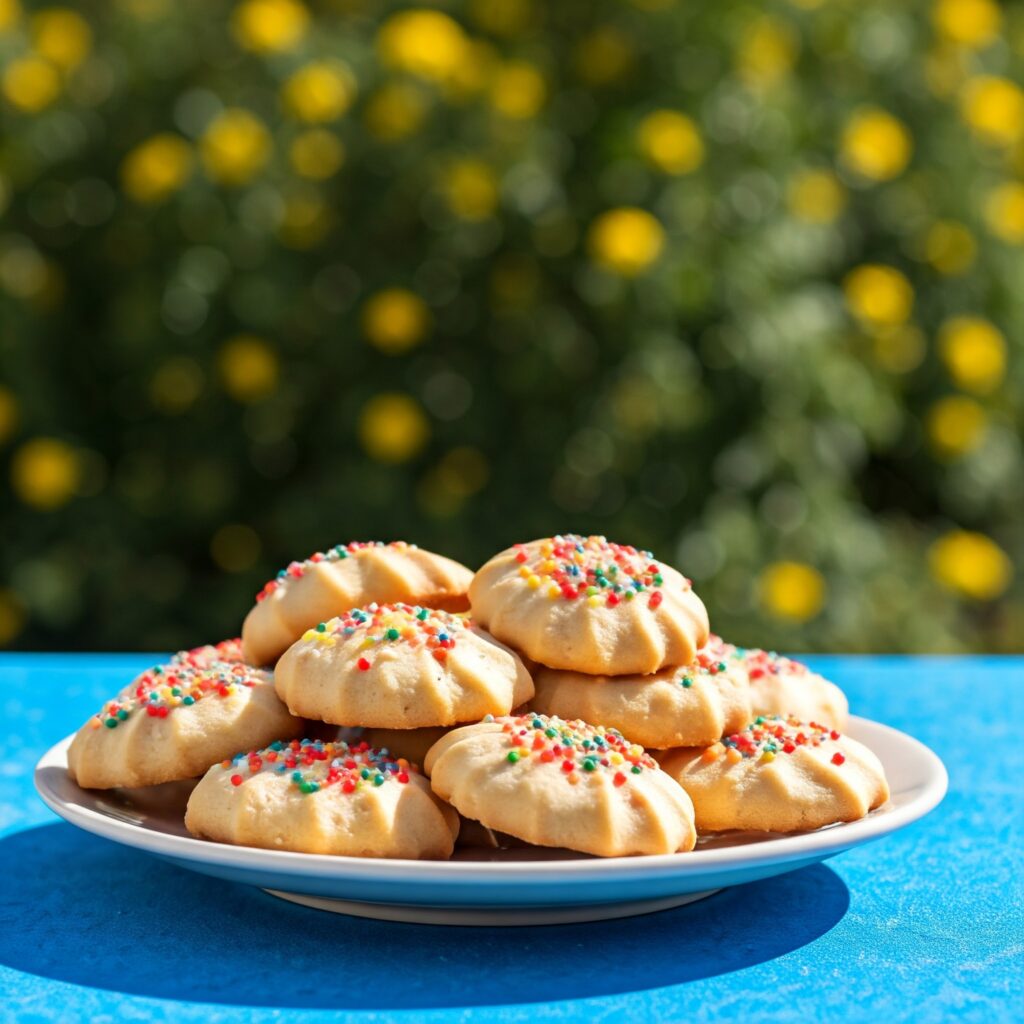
{"points": [[674, 707], [204, 656], [348, 576], [310, 796], [779, 775], [174, 721], [782, 686], [400, 666], [412, 744], [562, 784], [587, 605]]}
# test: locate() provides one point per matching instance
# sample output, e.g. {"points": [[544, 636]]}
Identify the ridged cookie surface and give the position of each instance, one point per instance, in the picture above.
{"points": [[674, 707], [562, 784], [400, 666], [318, 797], [588, 605], [783, 686], [779, 775], [173, 721], [348, 576]]}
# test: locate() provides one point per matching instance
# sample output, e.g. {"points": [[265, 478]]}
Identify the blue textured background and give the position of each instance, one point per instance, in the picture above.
{"points": [[927, 924]]}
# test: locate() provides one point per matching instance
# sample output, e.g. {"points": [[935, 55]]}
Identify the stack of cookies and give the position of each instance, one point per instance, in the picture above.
{"points": [[581, 703]]}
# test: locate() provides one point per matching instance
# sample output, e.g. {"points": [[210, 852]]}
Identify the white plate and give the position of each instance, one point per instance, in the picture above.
{"points": [[495, 886]]}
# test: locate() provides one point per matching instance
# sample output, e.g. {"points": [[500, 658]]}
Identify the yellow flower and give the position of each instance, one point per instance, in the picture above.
{"points": [[458, 476], [392, 427], [792, 590], [425, 43], [518, 90], [316, 154], [395, 111], [45, 472], [320, 92], [176, 385], [956, 425], [626, 240], [972, 23], [503, 17], [1004, 212], [249, 368], [767, 52], [10, 11], [471, 189], [875, 144], [12, 616], [305, 220], [235, 547], [900, 349], [8, 413], [994, 109], [395, 320], [604, 55], [974, 352], [31, 83], [235, 146], [671, 142], [156, 168], [949, 247], [62, 36], [970, 564], [878, 296], [816, 196], [269, 26]]}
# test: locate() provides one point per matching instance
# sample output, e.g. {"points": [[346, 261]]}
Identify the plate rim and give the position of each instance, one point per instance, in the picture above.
{"points": [[821, 843]]}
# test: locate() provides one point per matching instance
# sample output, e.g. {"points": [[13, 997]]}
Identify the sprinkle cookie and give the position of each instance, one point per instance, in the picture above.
{"points": [[203, 657], [779, 775], [675, 707], [174, 721], [587, 605], [315, 797], [347, 576], [562, 784], [782, 686], [400, 666]]}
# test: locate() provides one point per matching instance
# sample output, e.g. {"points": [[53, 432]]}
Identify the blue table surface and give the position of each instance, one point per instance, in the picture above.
{"points": [[927, 924]]}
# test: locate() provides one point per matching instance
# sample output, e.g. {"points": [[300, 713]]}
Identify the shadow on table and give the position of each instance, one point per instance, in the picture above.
{"points": [[78, 909]]}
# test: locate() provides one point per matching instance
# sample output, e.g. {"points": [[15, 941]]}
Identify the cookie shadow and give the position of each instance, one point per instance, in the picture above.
{"points": [[78, 909]]}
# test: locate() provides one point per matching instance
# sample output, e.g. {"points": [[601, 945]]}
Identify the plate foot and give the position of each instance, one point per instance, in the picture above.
{"points": [[489, 916]]}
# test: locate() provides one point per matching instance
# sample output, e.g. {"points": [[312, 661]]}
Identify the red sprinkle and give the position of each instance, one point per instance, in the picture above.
{"points": [[362, 664], [236, 780], [838, 758]]}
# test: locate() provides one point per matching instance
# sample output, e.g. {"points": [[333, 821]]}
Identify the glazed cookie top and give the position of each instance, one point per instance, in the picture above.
{"points": [[207, 654], [164, 688], [339, 553], [348, 576], [411, 626], [573, 750], [400, 666], [590, 605], [771, 736], [783, 686], [312, 765]]}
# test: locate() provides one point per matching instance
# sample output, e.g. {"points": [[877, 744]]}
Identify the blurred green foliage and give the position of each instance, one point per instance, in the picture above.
{"points": [[739, 283]]}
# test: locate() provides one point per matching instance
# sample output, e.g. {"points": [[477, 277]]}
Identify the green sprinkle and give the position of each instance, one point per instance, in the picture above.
{"points": [[321, 627], [378, 780], [658, 579], [111, 723], [512, 756], [687, 682], [392, 634], [188, 701], [636, 769], [365, 773], [422, 614], [550, 733], [122, 714], [589, 764], [296, 776]]}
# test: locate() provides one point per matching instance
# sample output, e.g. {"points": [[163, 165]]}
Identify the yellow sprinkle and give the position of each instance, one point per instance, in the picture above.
{"points": [[310, 634], [594, 600], [524, 571], [533, 582], [767, 756], [636, 751], [616, 758], [553, 592]]}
